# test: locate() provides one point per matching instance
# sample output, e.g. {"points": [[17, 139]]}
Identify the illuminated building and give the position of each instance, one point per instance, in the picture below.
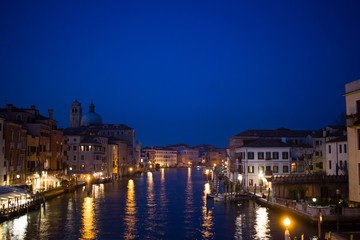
{"points": [[3, 170], [49, 145], [352, 96], [165, 157], [118, 136]]}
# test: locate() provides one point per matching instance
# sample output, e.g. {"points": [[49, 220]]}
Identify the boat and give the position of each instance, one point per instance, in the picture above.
{"points": [[210, 195], [219, 198]]}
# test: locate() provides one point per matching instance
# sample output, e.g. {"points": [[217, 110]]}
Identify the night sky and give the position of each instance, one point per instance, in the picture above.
{"points": [[195, 72]]}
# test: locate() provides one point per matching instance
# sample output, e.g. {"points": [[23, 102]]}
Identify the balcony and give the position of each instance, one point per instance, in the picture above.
{"points": [[353, 120]]}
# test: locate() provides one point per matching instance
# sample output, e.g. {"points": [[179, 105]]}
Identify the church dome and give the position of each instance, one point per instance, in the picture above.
{"points": [[91, 117]]}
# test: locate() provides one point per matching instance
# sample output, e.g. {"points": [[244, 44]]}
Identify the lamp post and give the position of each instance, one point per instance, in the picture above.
{"points": [[337, 210], [261, 176], [287, 223]]}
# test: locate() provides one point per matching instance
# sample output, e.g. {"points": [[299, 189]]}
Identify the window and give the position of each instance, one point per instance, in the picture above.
{"points": [[5, 177], [260, 155], [261, 182], [74, 158], [268, 168], [345, 148], [268, 155], [250, 169], [74, 148], [345, 165], [275, 155], [0, 126], [251, 182], [320, 165], [285, 169], [329, 148], [74, 139], [261, 169], [329, 164], [293, 167], [300, 168], [285, 155], [82, 157], [250, 155], [341, 165], [358, 139], [317, 153], [275, 169], [340, 148], [82, 167]]}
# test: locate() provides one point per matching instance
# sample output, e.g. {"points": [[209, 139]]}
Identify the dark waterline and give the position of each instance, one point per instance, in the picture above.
{"points": [[169, 204]]}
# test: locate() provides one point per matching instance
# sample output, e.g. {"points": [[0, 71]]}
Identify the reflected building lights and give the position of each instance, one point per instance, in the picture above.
{"points": [[238, 227], [88, 218], [150, 196], [261, 224], [130, 212], [207, 223]]}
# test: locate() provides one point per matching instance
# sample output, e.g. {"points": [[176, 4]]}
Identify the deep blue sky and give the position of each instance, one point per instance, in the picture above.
{"points": [[186, 71]]}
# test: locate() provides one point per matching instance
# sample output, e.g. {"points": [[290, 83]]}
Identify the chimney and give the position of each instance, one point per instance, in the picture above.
{"points": [[51, 112], [32, 107], [9, 107]]}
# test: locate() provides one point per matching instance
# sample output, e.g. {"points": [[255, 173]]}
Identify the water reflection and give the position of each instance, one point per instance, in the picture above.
{"points": [[88, 230], [262, 223], [150, 201], [130, 212], [207, 223], [238, 227], [189, 209]]}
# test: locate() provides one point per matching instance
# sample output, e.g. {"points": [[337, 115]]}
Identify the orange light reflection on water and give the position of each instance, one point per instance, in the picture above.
{"points": [[130, 212], [207, 223], [88, 230]]}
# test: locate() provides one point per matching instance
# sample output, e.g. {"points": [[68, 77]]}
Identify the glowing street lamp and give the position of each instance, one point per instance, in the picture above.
{"points": [[131, 169], [287, 223]]}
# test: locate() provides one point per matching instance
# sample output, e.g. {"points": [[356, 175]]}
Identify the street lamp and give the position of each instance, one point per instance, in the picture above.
{"points": [[337, 210], [287, 223]]}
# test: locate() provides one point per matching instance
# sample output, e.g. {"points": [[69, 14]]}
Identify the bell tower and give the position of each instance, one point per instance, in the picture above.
{"points": [[75, 114]]}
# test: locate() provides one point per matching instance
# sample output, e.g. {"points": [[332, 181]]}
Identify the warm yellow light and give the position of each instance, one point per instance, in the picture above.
{"points": [[150, 166], [88, 178], [189, 163], [207, 171], [130, 169], [287, 222], [240, 177], [214, 164]]}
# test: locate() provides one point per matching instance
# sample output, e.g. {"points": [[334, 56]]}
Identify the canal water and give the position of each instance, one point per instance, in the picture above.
{"points": [[168, 204]]}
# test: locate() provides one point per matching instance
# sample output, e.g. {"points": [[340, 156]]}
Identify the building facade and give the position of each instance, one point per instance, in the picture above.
{"points": [[352, 97], [3, 169], [261, 159], [163, 157], [336, 156]]}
